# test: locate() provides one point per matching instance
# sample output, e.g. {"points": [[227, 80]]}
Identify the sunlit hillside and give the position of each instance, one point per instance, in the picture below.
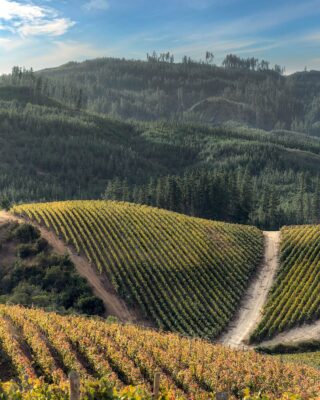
{"points": [[185, 274]]}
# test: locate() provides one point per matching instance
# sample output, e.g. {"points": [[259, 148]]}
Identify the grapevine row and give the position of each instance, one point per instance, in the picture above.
{"points": [[186, 274]]}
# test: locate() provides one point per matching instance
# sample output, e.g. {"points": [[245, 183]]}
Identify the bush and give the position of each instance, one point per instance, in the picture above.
{"points": [[26, 250], [90, 305], [5, 202], [26, 233], [41, 245]]}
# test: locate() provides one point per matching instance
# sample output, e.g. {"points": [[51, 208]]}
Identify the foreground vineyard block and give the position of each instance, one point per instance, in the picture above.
{"points": [[185, 274], [49, 346]]}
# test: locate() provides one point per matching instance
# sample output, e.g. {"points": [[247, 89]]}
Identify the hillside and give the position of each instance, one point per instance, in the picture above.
{"points": [[294, 299], [40, 344], [32, 273], [185, 274], [185, 91], [50, 151]]}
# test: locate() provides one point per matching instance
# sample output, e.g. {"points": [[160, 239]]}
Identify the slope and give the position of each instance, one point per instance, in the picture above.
{"points": [[160, 90], [294, 299], [186, 274], [53, 152], [99, 284], [33, 272], [47, 345]]}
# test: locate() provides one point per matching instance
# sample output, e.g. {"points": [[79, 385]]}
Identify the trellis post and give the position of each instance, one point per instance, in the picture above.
{"points": [[156, 386], [222, 396], [74, 385]]}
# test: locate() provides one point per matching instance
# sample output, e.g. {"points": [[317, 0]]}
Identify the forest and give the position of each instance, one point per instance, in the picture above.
{"points": [[249, 91], [229, 172]]}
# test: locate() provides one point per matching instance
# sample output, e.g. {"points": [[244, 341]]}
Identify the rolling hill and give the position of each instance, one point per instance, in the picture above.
{"points": [[39, 344], [185, 274], [184, 91], [50, 151]]}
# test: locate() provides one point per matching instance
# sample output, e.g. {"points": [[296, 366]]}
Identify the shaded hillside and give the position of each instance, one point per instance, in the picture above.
{"points": [[161, 90], [53, 152], [185, 274], [40, 344]]}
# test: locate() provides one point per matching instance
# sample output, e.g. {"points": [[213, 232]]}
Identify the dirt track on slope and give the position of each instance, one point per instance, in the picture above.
{"points": [[100, 285], [249, 313], [302, 333]]}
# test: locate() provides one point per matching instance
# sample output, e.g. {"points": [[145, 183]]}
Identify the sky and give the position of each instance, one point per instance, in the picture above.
{"points": [[47, 33]]}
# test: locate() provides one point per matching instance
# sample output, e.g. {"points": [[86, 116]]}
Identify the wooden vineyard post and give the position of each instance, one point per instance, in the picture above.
{"points": [[74, 385], [222, 396], [156, 386]]}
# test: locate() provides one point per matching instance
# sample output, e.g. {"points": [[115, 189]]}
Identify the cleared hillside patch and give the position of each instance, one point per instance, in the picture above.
{"points": [[295, 298], [185, 274]]}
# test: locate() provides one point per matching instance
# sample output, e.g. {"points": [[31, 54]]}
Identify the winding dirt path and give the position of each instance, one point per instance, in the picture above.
{"points": [[249, 313], [99, 283]]}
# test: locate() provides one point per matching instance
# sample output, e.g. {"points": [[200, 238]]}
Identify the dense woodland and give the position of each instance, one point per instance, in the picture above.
{"points": [[54, 150], [249, 91]]}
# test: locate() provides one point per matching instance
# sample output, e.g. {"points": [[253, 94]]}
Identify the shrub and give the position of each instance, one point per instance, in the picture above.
{"points": [[90, 305], [26, 250], [26, 233]]}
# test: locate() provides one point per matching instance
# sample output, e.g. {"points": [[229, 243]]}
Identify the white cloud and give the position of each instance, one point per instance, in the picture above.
{"points": [[56, 27], [28, 19], [11, 9], [96, 5]]}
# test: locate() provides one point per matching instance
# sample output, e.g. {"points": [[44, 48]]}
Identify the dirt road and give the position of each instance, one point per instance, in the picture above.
{"points": [[302, 333], [99, 283], [249, 313]]}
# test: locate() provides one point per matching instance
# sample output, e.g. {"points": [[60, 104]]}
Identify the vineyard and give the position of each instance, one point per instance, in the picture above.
{"points": [[295, 297], [311, 358], [41, 345], [186, 274]]}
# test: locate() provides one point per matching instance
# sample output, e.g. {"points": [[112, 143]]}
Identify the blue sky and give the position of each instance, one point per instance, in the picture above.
{"points": [[47, 33]]}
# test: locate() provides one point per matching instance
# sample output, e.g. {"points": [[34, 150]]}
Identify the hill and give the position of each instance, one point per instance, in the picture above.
{"points": [[51, 151], [157, 89], [40, 344], [294, 299], [185, 274]]}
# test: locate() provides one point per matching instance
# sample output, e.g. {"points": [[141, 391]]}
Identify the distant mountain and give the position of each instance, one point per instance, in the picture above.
{"points": [[196, 92]]}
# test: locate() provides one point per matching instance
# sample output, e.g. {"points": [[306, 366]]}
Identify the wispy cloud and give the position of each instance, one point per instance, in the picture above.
{"points": [[32, 20], [93, 5], [61, 52], [55, 27]]}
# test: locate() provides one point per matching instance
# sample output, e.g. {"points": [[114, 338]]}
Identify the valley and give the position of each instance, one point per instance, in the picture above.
{"points": [[160, 217]]}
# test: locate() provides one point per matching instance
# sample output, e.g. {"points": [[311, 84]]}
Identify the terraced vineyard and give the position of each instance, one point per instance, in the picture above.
{"points": [[295, 297], [40, 344], [186, 274]]}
